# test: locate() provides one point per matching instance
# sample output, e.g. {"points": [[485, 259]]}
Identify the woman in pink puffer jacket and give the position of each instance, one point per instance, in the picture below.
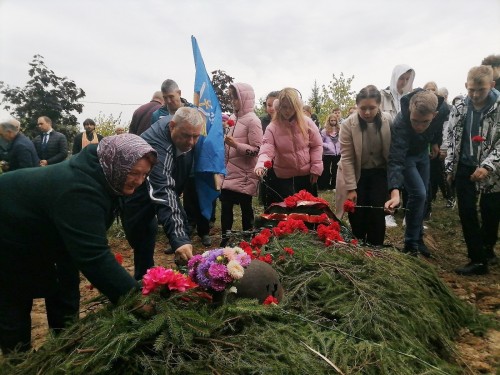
{"points": [[293, 144], [242, 147]]}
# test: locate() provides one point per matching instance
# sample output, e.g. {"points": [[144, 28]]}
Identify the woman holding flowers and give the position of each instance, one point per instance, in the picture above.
{"points": [[293, 145], [362, 170], [242, 142]]}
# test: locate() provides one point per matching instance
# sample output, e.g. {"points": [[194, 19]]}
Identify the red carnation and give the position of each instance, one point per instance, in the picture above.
{"points": [[230, 122], [119, 258], [290, 201], [349, 206], [289, 250], [478, 138], [268, 164], [270, 300]]}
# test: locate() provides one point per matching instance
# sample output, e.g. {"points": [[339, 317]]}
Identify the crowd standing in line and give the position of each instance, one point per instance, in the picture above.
{"points": [[56, 225]]}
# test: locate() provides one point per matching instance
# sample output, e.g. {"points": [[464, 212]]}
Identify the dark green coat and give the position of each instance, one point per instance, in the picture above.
{"points": [[53, 213]]}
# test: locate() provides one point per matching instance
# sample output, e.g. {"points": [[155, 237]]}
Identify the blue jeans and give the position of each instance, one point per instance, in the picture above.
{"points": [[416, 182]]}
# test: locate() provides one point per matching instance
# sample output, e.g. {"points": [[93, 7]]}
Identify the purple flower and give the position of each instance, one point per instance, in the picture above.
{"points": [[217, 271], [218, 285]]}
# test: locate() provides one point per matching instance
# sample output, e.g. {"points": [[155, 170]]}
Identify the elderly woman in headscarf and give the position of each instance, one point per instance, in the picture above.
{"points": [[53, 224]]}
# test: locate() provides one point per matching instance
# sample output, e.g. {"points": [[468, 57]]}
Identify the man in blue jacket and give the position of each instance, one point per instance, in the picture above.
{"points": [[418, 125], [157, 200], [22, 153]]}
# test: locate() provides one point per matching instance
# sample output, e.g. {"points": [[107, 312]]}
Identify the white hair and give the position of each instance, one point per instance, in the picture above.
{"points": [[189, 115]]}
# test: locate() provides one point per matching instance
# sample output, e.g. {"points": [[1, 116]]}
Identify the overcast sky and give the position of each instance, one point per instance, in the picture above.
{"points": [[121, 51]]}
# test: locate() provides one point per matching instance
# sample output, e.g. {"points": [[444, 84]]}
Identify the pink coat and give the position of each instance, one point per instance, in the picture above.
{"points": [[291, 153], [247, 132]]}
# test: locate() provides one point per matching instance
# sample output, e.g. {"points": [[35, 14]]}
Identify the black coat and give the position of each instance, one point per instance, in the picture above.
{"points": [[56, 150], [405, 141], [77, 143]]}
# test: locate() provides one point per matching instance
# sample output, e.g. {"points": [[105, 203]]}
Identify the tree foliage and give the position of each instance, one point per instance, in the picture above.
{"points": [[315, 98], [107, 124], [45, 94], [337, 93], [221, 81]]}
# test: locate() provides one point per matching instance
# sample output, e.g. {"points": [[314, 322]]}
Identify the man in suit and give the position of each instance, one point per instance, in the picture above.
{"points": [[51, 146], [22, 153]]}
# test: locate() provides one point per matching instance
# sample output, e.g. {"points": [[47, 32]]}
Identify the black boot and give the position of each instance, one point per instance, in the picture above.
{"points": [[473, 268]]}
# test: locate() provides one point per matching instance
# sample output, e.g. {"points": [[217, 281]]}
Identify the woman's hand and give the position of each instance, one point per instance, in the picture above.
{"points": [[352, 196], [229, 140], [260, 172]]}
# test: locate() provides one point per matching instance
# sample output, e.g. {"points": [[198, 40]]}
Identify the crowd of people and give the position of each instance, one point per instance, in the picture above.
{"points": [[397, 145]]}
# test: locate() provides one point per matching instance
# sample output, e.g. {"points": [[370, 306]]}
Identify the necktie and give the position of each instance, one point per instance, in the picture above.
{"points": [[44, 141]]}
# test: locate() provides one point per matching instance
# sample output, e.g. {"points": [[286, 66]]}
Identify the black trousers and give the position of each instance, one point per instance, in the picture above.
{"points": [[328, 178], [479, 238], [280, 188], [438, 179], [62, 305], [368, 224], [230, 198]]}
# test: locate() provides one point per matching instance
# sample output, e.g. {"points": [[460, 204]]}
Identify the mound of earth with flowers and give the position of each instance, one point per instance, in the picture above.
{"points": [[345, 309]]}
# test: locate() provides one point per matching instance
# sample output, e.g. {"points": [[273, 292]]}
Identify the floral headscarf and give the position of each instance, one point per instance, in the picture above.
{"points": [[118, 154]]}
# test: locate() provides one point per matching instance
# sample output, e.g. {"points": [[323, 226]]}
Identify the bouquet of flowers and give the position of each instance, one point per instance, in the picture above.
{"points": [[218, 269], [160, 278]]}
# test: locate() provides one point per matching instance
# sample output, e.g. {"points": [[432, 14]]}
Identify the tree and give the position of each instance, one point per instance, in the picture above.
{"points": [[221, 81], [45, 94], [106, 124], [338, 93], [315, 99]]}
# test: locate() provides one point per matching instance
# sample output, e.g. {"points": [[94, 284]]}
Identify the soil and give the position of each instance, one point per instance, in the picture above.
{"points": [[479, 354]]}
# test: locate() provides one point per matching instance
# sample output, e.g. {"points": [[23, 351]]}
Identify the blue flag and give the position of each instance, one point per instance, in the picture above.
{"points": [[209, 151]]}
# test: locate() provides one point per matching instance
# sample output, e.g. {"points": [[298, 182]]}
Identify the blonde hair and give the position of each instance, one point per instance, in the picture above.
{"points": [[292, 96], [424, 102], [480, 74], [327, 125]]}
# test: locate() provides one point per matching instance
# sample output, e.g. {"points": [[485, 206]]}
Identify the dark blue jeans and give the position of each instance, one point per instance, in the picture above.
{"points": [[416, 182]]}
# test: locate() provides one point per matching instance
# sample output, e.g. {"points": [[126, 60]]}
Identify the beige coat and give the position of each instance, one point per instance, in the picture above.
{"points": [[351, 147]]}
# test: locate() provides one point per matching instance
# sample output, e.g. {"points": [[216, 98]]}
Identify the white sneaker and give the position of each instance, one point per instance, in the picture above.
{"points": [[390, 222]]}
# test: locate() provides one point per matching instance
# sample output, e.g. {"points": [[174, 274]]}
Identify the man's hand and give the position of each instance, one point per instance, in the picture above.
{"points": [[184, 253], [43, 163], [434, 151], [392, 203], [442, 154], [479, 174]]}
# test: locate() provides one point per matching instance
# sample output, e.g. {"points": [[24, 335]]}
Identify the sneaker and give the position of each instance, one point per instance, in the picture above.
{"points": [[424, 250], [390, 222], [205, 240], [450, 203], [473, 268], [411, 251]]}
